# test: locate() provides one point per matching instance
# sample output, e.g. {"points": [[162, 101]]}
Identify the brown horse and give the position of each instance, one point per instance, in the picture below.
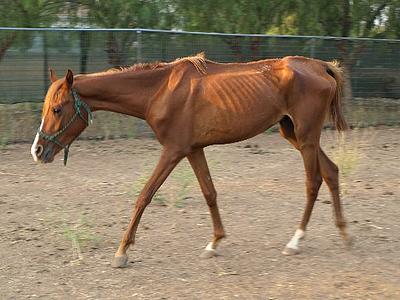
{"points": [[192, 103]]}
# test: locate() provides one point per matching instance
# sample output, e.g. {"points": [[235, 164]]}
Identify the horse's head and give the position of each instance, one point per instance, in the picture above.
{"points": [[64, 117]]}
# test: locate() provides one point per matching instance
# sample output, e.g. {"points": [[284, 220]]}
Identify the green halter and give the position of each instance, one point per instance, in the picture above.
{"points": [[78, 104]]}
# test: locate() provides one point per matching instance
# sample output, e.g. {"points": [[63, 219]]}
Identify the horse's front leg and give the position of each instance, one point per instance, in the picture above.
{"points": [[169, 159]]}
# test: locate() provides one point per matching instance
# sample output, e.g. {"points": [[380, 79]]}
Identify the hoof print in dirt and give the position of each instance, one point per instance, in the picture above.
{"points": [[349, 242]]}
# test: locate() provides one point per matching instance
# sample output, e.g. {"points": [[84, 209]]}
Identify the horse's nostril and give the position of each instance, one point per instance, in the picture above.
{"points": [[39, 150]]}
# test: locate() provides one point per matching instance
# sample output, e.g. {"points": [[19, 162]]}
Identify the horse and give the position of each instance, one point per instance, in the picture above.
{"points": [[193, 102]]}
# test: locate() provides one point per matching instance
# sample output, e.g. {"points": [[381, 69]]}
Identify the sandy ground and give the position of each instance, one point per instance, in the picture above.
{"points": [[60, 226]]}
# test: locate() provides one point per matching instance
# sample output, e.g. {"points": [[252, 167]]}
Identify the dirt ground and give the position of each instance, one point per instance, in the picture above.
{"points": [[60, 226]]}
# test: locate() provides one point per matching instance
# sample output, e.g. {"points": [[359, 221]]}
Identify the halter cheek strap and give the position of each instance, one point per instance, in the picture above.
{"points": [[78, 104]]}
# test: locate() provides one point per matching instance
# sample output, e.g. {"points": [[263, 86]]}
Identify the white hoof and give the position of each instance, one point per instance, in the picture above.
{"points": [[208, 254], [209, 251], [290, 251], [292, 247]]}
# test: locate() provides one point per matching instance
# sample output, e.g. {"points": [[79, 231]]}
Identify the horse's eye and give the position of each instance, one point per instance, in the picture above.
{"points": [[57, 110]]}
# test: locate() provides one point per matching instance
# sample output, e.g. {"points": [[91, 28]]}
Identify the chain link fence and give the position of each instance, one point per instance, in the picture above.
{"points": [[26, 54]]}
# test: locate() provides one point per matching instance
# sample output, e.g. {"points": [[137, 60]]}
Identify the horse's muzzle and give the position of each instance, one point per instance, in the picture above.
{"points": [[43, 154], [47, 155], [39, 151]]}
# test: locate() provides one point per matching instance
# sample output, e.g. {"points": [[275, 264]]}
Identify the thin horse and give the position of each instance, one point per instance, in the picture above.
{"points": [[192, 103]]}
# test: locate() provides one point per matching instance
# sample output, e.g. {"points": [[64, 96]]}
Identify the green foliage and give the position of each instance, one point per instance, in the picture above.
{"points": [[228, 16], [25, 13], [122, 13], [346, 157], [349, 153], [79, 235], [119, 14], [357, 18], [29, 13]]}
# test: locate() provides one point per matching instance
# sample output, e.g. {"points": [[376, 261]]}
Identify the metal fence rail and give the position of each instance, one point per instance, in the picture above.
{"points": [[372, 64]]}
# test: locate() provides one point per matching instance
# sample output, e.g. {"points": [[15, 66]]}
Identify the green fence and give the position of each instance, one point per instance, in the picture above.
{"points": [[26, 54], [373, 64]]}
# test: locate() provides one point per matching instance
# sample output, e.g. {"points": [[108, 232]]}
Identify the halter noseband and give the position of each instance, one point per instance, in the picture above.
{"points": [[78, 104]]}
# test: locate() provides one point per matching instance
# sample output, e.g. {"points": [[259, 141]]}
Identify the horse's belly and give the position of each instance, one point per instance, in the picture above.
{"points": [[221, 126]]}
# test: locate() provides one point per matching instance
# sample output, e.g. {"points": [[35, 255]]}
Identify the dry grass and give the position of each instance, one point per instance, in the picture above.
{"points": [[349, 151]]}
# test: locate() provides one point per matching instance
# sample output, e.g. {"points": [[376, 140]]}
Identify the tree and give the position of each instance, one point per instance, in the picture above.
{"points": [[392, 25], [121, 14], [238, 16], [25, 13]]}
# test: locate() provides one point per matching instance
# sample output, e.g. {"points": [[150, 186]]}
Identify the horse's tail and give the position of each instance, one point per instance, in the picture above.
{"points": [[335, 109]]}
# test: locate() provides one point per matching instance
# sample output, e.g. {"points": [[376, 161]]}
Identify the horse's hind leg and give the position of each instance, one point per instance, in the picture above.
{"points": [[329, 172], [199, 164], [308, 147]]}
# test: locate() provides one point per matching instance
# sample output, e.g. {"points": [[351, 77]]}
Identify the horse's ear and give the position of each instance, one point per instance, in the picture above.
{"points": [[69, 78], [53, 76]]}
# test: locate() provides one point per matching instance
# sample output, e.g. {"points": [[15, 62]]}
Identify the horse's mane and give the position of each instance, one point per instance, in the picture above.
{"points": [[198, 61]]}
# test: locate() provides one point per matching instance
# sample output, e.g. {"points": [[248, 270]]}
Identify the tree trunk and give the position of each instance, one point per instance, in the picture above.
{"points": [[349, 54], [347, 90], [113, 51], [255, 48], [346, 20], [234, 44], [6, 43]]}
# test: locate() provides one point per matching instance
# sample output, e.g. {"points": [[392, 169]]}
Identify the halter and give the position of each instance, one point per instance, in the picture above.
{"points": [[78, 104]]}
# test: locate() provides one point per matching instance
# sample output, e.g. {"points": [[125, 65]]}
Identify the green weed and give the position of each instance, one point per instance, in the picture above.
{"points": [[79, 235], [349, 152]]}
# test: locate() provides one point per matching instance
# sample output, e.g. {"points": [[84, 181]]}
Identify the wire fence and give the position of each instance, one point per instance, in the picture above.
{"points": [[26, 54], [373, 64]]}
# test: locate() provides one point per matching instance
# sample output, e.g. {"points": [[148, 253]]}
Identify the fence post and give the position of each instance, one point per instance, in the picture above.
{"points": [[163, 48], [84, 48], [139, 46], [312, 47], [45, 63]]}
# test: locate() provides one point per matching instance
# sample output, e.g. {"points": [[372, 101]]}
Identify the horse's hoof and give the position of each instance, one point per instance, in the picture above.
{"points": [[120, 261], [290, 251], [208, 254]]}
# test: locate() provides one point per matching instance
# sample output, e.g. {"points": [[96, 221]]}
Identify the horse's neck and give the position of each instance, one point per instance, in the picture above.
{"points": [[123, 92]]}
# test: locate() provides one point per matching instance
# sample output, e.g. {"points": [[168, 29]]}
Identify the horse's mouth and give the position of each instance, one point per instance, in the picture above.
{"points": [[47, 155], [47, 160]]}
